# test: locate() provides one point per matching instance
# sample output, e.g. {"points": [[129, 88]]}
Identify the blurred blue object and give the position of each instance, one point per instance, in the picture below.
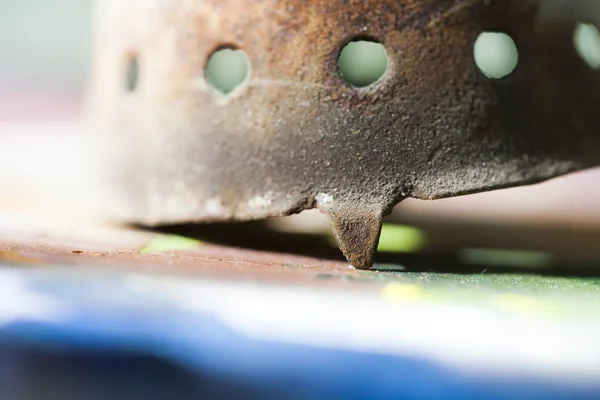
{"points": [[89, 336]]}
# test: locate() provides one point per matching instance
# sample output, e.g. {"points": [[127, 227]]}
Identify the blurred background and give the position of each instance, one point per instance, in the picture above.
{"points": [[44, 61], [44, 58]]}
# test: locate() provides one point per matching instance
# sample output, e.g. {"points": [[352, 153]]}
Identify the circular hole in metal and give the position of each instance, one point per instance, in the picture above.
{"points": [[132, 74], [587, 44], [362, 63], [496, 54], [227, 69]]}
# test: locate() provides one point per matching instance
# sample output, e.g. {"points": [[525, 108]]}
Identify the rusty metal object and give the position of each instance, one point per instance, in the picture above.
{"points": [[297, 136]]}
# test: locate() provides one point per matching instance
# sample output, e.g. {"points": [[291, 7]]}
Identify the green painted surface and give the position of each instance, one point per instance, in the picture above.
{"points": [[401, 239], [557, 297], [166, 243]]}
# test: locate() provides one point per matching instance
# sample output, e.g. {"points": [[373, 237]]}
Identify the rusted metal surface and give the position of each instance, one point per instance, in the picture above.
{"points": [[119, 249], [253, 253], [296, 136]]}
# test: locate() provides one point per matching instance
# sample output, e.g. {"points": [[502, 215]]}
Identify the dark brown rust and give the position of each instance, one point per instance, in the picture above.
{"points": [[297, 136]]}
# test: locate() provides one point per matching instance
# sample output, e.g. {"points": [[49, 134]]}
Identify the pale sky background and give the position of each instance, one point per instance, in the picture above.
{"points": [[44, 45]]}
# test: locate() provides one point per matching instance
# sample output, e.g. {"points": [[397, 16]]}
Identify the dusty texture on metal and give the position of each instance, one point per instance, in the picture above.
{"points": [[296, 136], [356, 228]]}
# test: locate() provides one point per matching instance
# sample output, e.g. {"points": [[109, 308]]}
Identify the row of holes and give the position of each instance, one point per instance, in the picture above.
{"points": [[363, 63]]}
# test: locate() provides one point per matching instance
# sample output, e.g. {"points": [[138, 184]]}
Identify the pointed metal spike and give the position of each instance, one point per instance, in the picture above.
{"points": [[357, 233]]}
